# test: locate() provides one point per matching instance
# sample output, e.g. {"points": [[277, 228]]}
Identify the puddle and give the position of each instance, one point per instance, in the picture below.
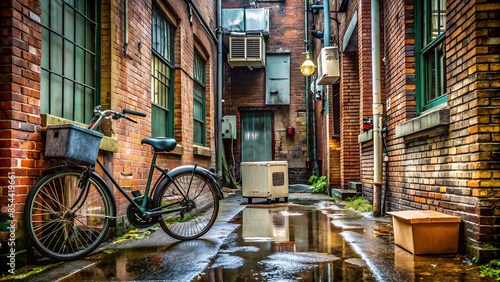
{"points": [[287, 243], [320, 241]]}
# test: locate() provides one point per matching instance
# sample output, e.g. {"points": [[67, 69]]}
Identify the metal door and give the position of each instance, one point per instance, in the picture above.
{"points": [[256, 140]]}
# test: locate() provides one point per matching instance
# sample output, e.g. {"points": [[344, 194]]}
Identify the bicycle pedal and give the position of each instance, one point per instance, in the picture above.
{"points": [[136, 193]]}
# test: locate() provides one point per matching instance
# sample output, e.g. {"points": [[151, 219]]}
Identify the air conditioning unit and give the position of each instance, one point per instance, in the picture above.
{"points": [[247, 51], [328, 66], [265, 179]]}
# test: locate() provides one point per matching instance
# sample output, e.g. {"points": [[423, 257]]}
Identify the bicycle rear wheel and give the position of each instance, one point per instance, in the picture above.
{"points": [[199, 204], [64, 221]]}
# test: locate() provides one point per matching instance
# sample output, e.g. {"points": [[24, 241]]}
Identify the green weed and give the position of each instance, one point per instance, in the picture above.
{"points": [[319, 184], [358, 203]]}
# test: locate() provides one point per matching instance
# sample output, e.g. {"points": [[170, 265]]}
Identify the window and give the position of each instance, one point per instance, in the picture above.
{"points": [[162, 75], [199, 128], [70, 58], [430, 22]]}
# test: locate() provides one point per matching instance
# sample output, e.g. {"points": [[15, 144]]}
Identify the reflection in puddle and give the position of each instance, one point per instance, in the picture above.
{"points": [[286, 243]]}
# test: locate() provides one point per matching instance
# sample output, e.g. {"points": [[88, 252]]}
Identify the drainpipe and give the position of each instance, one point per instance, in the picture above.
{"points": [[218, 143], [306, 43], [326, 43], [377, 108]]}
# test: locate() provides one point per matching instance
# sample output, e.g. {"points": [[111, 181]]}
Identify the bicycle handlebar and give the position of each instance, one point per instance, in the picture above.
{"points": [[130, 112], [113, 114]]}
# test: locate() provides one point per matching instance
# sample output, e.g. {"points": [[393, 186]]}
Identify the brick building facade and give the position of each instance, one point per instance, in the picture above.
{"points": [[441, 153], [245, 93], [123, 49]]}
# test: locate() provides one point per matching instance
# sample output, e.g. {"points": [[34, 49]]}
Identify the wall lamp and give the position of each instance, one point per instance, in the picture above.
{"points": [[308, 67]]}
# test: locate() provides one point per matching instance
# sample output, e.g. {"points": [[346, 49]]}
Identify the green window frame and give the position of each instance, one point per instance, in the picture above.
{"points": [[430, 67], [70, 67], [162, 74], [199, 100]]}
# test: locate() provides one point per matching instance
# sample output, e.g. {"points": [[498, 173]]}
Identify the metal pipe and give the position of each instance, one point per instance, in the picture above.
{"points": [[218, 143], [326, 22], [377, 108], [306, 42], [125, 29]]}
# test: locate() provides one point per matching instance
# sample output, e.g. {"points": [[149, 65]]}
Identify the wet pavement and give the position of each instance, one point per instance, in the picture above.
{"points": [[310, 238]]}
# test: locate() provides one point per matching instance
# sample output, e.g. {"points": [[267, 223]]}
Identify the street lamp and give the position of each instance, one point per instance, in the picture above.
{"points": [[308, 67]]}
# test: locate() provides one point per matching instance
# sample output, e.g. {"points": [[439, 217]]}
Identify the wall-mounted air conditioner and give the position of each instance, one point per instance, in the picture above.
{"points": [[247, 51], [328, 66]]}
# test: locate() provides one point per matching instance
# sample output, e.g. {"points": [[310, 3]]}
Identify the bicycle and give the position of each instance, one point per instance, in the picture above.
{"points": [[69, 210]]}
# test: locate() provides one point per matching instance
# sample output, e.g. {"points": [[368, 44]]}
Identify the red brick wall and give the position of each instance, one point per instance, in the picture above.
{"points": [[20, 141], [349, 119], [453, 168]]}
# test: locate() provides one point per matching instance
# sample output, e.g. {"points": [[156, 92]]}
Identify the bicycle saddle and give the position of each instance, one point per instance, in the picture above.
{"points": [[162, 144]]}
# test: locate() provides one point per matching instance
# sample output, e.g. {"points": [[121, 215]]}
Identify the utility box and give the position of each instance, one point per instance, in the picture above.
{"points": [[264, 180], [229, 127], [426, 232], [328, 66]]}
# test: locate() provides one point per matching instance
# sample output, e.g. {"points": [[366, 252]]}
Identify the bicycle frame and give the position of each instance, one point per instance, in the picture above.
{"points": [[148, 192]]}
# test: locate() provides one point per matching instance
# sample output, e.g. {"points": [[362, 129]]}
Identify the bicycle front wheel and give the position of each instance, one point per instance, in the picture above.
{"points": [[196, 202], [65, 221]]}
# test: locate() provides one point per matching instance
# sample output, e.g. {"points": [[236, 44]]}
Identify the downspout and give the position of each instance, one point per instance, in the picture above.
{"points": [[326, 43], [218, 143], [377, 108], [306, 43]]}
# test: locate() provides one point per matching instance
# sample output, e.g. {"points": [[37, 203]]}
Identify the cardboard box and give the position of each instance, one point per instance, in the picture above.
{"points": [[426, 232]]}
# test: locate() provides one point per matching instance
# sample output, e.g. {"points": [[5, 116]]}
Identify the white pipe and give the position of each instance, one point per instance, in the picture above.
{"points": [[377, 108]]}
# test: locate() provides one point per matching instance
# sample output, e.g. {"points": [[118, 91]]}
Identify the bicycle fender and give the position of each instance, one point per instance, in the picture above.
{"points": [[210, 176], [97, 177]]}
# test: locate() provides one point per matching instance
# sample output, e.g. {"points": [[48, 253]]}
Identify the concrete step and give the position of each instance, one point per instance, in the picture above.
{"points": [[342, 194]]}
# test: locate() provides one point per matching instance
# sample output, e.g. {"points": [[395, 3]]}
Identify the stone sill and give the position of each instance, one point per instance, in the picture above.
{"points": [[426, 121], [107, 143], [202, 151], [365, 136]]}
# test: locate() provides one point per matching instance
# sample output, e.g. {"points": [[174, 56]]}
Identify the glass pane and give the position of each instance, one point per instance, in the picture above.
{"points": [[435, 76], [44, 92], [161, 83], [69, 60], [56, 53], [89, 105], [438, 20], [198, 133], [80, 61], [199, 68], [69, 99], [159, 117], [162, 34], [45, 49], [56, 19], [56, 91], [69, 25], [89, 60]]}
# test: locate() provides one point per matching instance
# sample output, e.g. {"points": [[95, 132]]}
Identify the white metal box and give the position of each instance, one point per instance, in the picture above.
{"points": [[229, 127], [264, 180], [328, 66]]}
